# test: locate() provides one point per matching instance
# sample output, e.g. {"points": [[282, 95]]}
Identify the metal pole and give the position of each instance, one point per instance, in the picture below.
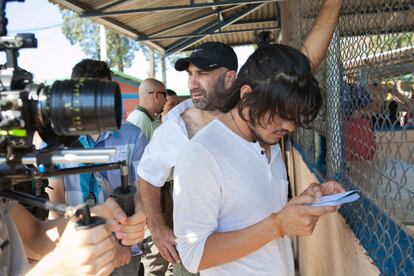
{"points": [[104, 53], [163, 70], [206, 33], [71, 156], [151, 64], [334, 109], [278, 33], [84, 169], [110, 151]]}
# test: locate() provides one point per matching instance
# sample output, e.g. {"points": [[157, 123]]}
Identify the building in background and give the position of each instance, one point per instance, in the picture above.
{"points": [[129, 86]]}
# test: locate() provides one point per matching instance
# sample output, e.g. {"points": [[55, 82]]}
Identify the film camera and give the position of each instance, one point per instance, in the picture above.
{"points": [[59, 114]]}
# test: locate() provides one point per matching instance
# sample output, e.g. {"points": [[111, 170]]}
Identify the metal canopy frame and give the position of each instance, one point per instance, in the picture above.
{"points": [[191, 6], [210, 28], [111, 5], [207, 20], [218, 14], [208, 33], [192, 21]]}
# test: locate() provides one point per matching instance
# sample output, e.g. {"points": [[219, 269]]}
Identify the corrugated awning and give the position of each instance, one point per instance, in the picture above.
{"points": [[173, 26]]}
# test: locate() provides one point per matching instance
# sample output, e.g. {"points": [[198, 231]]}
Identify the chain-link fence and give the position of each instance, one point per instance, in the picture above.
{"points": [[364, 136]]}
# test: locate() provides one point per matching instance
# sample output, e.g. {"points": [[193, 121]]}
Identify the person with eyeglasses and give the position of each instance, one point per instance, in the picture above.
{"points": [[152, 97]]}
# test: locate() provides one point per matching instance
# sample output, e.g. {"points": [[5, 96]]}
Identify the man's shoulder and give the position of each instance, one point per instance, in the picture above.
{"points": [[196, 147], [137, 114], [170, 128], [210, 135], [193, 119], [133, 113], [139, 119], [213, 128], [204, 146]]}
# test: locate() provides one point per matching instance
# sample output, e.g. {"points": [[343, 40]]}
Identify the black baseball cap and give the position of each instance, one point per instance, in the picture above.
{"points": [[209, 56]]}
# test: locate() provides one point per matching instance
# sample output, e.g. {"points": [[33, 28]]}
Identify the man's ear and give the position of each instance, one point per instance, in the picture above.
{"points": [[244, 90], [229, 79]]}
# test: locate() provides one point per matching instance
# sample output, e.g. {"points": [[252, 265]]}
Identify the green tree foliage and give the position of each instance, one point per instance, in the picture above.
{"points": [[120, 49]]}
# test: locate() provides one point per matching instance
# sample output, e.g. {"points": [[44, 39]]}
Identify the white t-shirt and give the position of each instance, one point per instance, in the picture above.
{"points": [[161, 153], [223, 183]]}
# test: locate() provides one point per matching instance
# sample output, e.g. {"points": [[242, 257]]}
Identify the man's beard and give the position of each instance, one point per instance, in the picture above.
{"points": [[210, 100], [202, 103], [257, 137]]}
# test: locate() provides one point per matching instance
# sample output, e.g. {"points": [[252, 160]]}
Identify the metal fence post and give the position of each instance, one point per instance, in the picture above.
{"points": [[334, 109]]}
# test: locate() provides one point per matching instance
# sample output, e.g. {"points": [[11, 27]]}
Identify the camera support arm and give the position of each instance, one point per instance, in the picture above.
{"points": [[81, 210], [124, 195]]}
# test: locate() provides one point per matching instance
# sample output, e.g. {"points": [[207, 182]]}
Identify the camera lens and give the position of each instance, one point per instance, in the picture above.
{"points": [[76, 107]]}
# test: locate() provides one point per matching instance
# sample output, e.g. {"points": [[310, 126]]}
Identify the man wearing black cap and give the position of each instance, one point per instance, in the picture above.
{"points": [[211, 71], [209, 56], [212, 68]]}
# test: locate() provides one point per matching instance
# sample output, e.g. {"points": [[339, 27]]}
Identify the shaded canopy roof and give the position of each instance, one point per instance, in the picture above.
{"points": [[173, 26]]}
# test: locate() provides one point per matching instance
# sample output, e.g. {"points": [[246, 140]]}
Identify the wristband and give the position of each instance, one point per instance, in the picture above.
{"points": [[278, 225]]}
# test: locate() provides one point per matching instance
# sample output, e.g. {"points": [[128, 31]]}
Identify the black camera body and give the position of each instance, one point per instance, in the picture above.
{"points": [[58, 113]]}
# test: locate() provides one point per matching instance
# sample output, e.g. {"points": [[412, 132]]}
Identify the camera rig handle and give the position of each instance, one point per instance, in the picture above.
{"points": [[82, 211], [124, 194], [87, 221]]}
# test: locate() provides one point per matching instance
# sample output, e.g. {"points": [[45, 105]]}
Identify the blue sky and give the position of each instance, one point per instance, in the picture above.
{"points": [[55, 56]]}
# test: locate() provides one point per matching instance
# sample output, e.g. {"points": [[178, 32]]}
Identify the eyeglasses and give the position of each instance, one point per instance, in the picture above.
{"points": [[160, 92]]}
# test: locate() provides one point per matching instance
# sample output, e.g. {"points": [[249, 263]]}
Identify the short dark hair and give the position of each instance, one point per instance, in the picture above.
{"points": [[282, 84], [89, 68], [170, 92]]}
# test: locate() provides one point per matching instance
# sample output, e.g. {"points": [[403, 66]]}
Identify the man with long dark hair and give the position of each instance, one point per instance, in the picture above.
{"points": [[231, 215], [211, 71]]}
